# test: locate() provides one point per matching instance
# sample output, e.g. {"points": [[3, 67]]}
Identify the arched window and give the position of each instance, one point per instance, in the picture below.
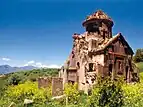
{"points": [[90, 67], [78, 64], [104, 33]]}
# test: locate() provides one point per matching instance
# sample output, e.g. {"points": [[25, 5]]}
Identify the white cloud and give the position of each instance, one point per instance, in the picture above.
{"points": [[26, 65], [53, 66], [40, 65], [5, 59], [31, 62]]}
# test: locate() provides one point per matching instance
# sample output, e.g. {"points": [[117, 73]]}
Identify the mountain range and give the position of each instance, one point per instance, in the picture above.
{"points": [[5, 69]]}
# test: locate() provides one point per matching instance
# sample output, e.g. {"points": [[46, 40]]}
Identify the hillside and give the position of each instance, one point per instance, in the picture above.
{"points": [[15, 78], [32, 74], [5, 69], [140, 66]]}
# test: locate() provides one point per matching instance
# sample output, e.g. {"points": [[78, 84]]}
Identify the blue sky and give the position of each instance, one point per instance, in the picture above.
{"points": [[40, 31]]}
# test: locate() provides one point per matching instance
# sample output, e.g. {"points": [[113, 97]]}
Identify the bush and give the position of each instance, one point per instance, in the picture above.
{"points": [[14, 79], [72, 93], [106, 93], [3, 86]]}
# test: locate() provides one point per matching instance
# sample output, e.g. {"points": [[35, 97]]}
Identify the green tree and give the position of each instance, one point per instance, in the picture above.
{"points": [[138, 55], [14, 79]]}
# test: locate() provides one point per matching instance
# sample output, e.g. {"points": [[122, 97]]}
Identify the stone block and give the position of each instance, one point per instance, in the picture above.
{"points": [[57, 86]]}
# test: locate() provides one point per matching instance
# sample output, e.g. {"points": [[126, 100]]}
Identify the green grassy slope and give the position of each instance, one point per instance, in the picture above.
{"points": [[23, 76], [140, 66]]}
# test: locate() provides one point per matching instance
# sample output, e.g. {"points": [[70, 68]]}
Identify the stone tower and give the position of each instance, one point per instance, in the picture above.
{"points": [[100, 24]]}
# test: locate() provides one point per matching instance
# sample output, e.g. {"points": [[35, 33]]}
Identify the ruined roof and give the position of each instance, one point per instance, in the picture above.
{"points": [[107, 42], [98, 15]]}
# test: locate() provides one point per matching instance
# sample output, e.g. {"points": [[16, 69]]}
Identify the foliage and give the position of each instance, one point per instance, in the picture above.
{"points": [[138, 55], [28, 90], [141, 77], [72, 93], [133, 95], [18, 79], [14, 79], [32, 75], [3, 85], [140, 66], [106, 93]]}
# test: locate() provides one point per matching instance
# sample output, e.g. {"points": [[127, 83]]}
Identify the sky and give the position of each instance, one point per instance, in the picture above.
{"points": [[39, 32]]}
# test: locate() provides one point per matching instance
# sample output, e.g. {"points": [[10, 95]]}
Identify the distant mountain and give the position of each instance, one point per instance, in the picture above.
{"points": [[5, 69], [27, 68]]}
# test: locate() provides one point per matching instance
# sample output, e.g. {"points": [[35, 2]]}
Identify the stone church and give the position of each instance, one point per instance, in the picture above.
{"points": [[97, 53]]}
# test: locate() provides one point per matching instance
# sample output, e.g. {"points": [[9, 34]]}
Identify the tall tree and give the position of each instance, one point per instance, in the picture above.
{"points": [[138, 55]]}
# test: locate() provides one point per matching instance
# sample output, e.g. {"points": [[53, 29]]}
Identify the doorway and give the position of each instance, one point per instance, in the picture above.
{"points": [[110, 69], [126, 72]]}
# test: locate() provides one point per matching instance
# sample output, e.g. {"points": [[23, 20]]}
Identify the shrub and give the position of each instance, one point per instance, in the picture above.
{"points": [[14, 79], [72, 93], [106, 93], [3, 86]]}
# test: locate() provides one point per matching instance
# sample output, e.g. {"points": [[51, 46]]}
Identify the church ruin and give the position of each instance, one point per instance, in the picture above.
{"points": [[97, 53]]}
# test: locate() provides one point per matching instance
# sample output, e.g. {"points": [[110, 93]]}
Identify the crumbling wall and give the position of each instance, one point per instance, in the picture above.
{"points": [[55, 83], [57, 86], [99, 59], [44, 82]]}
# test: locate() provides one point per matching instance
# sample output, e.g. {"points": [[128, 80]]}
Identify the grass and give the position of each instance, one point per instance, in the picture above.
{"points": [[140, 66]]}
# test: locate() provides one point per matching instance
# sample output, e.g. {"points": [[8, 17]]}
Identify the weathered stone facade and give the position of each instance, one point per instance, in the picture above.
{"points": [[97, 53]]}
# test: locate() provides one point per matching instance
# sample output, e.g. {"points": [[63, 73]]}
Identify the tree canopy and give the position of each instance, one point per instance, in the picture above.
{"points": [[138, 55]]}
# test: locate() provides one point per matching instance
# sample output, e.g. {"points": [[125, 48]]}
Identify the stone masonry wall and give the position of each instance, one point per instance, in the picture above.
{"points": [[55, 83], [57, 86], [44, 82]]}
